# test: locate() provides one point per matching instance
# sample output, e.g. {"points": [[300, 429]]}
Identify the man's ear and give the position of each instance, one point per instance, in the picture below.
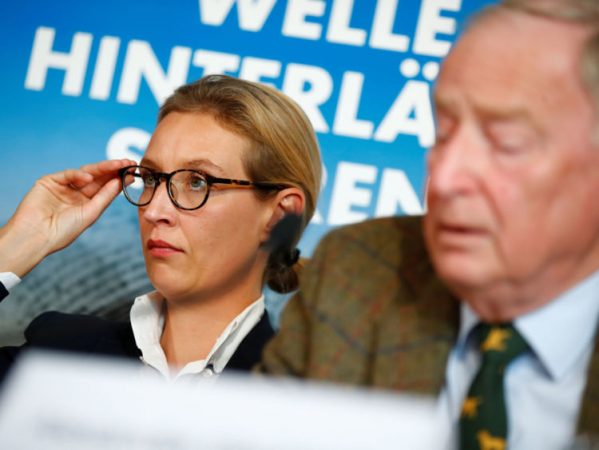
{"points": [[290, 200]]}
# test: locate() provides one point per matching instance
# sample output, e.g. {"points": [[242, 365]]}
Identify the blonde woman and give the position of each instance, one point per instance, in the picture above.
{"points": [[227, 161]]}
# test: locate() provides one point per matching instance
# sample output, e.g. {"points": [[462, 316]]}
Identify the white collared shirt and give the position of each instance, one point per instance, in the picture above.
{"points": [[147, 322], [9, 280], [543, 387]]}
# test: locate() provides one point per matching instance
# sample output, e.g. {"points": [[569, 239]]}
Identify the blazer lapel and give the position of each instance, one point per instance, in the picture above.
{"points": [[250, 349], [120, 341]]}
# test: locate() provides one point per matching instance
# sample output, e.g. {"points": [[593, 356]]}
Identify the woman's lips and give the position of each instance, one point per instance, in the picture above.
{"points": [[160, 248]]}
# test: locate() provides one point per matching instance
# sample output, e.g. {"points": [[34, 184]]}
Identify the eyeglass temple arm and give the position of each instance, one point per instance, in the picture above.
{"points": [[242, 184]]}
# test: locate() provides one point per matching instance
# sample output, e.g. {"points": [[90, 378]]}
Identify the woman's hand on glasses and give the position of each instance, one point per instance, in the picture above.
{"points": [[56, 211]]}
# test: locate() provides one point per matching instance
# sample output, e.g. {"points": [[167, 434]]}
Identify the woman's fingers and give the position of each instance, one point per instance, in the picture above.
{"points": [[107, 167], [100, 201], [89, 179], [75, 178]]}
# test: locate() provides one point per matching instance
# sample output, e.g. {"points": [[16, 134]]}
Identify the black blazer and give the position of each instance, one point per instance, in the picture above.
{"points": [[96, 336]]}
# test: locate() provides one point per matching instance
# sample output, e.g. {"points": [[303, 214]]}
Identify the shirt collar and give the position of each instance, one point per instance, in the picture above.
{"points": [[558, 333], [147, 323], [468, 320], [561, 331]]}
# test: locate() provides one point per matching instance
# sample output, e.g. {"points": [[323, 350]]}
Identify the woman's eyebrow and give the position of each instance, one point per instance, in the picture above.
{"points": [[198, 164], [147, 162], [204, 164]]}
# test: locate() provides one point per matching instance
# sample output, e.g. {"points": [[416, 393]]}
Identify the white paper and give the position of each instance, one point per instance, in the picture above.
{"points": [[59, 402]]}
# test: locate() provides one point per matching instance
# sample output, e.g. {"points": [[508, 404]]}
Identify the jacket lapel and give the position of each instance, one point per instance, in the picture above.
{"points": [[120, 341], [250, 349]]}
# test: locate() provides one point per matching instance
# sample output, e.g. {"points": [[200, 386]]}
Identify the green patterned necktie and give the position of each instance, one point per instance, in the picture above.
{"points": [[483, 423]]}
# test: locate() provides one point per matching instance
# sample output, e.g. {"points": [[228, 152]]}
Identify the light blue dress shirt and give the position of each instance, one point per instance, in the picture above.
{"points": [[543, 387]]}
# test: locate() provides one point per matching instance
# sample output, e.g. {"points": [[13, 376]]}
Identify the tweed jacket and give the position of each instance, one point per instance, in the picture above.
{"points": [[372, 312]]}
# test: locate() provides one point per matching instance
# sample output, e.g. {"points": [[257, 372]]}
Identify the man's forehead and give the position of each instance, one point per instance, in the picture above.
{"points": [[506, 55], [485, 109], [523, 27]]}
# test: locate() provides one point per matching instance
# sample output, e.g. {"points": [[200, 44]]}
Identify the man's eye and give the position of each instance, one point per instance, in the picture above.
{"points": [[510, 147], [511, 138]]}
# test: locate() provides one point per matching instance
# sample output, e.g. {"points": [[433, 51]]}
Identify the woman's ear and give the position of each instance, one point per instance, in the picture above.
{"points": [[290, 200]]}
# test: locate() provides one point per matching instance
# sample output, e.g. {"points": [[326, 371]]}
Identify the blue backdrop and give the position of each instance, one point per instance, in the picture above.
{"points": [[82, 81]]}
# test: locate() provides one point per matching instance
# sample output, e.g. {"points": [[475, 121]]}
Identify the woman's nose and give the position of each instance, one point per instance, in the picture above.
{"points": [[160, 208]]}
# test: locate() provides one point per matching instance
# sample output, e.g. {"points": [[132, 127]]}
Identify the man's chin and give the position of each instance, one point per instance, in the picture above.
{"points": [[461, 272]]}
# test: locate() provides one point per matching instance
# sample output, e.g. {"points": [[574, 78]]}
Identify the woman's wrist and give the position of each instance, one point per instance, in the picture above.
{"points": [[20, 249]]}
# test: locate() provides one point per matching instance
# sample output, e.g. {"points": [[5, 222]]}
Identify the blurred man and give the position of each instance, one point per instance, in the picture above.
{"points": [[491, 301]]}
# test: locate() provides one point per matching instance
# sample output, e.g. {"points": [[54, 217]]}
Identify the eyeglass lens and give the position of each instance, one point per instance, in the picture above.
{"points": [[187, 188]]}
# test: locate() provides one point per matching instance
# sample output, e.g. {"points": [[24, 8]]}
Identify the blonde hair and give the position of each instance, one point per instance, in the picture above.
{"points": [[581, 12], [284, 147]]}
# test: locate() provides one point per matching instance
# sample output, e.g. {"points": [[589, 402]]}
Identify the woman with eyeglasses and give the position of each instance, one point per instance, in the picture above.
{"points": [[228, 160]]}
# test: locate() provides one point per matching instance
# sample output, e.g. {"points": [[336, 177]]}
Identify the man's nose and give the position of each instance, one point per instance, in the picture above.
{"points": [[455, 165]]}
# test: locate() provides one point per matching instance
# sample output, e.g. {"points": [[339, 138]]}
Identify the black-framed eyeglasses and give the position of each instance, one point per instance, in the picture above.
{"points": [[188, 189]]}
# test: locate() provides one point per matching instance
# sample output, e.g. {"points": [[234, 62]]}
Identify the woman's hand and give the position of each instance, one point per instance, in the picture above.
{"points": [[56, 211]]}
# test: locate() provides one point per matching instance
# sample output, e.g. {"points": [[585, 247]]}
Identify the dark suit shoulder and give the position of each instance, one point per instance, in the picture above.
{"points": [[81, 333]]}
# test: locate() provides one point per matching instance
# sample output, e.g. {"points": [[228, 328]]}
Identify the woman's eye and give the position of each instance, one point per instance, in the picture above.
{"points": [[149, 181], [197, 183]]}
